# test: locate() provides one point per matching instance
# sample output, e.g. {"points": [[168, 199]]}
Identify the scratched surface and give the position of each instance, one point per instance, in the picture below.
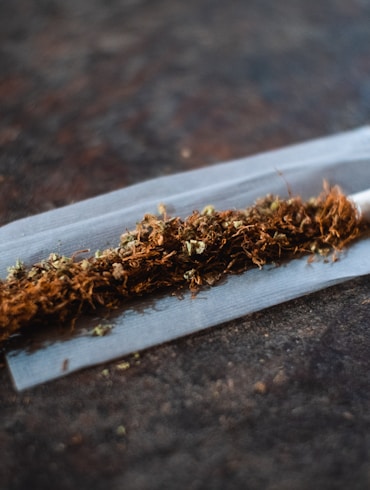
{"points": [[98, 95]]}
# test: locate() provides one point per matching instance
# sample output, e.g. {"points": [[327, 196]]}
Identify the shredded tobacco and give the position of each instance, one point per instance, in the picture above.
{"points": [[168, 252]]}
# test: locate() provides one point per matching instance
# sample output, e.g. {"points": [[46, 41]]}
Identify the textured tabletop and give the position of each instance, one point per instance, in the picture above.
{"points": [[95, 96]]}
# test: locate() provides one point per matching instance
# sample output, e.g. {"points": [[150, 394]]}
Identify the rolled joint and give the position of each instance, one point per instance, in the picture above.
{"points": [[362, 203]]}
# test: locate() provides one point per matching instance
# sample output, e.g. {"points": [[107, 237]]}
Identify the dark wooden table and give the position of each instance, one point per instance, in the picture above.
{"points": [[99, 95]]}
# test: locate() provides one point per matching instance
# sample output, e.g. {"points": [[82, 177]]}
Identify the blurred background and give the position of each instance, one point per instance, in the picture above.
{"points": [[99, 94]]}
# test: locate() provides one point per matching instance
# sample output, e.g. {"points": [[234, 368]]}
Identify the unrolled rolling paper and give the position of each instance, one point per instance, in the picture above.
{"points": [[97, 223]]}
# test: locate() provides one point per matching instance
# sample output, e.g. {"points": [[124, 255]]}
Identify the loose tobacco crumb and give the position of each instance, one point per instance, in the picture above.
{"points": [[260, 387], [123, 366], [164, 252], [101, 330]]}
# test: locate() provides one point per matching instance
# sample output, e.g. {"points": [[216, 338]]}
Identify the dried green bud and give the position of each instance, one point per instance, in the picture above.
{"points": [[195, 247], [208, 210], [275, 205], [189, 274], [101, 330], [85, 264], [16, 271]]}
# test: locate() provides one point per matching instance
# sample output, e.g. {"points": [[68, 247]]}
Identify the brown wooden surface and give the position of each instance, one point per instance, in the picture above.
{"points": [[98, 95]]}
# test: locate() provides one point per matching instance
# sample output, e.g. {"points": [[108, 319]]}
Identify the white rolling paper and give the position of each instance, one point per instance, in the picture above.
{"points": [[97, 223]]}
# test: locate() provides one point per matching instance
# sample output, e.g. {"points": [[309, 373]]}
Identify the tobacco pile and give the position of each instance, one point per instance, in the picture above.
{"points": [[164, 252]]}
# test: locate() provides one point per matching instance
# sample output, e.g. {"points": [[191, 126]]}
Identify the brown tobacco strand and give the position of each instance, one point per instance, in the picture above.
{"points": [[173, 253]]}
